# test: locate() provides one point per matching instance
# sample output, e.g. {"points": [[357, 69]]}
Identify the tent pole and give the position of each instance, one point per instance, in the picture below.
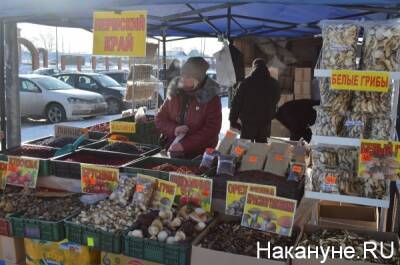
{"points": [[12, 86], [229, 17], [2, 89], [164, 44]]}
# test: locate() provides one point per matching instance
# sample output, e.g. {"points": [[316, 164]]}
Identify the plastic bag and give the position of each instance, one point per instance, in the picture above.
{"points": [[209, 157], [123, 193], [226, 165], [339, 44], [382, 45], [328, 123], [143, 190], [140, 116], [240, 147]]}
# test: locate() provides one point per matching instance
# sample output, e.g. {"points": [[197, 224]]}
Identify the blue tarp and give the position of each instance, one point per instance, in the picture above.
{"points": [[298, 16]]}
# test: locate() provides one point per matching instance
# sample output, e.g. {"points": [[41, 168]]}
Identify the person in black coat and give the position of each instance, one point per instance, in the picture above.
{"points": [[254, 104], [297, 116]]}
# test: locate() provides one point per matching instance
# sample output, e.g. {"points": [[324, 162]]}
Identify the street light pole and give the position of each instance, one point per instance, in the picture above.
{"points": [[57, 48]]}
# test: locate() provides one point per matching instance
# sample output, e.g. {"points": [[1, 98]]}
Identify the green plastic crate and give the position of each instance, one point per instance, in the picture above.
{"points": [[36, 229], [137, 166], [44, 165], [153, 149], [153, 250], [92, 237], [146, 133]]}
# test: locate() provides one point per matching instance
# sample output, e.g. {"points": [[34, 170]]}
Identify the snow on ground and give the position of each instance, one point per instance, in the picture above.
{"points": [[31, 130]]}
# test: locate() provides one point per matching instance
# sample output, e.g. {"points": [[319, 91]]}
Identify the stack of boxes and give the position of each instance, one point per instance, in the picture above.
{"points": [[302, 83], [285, 80]]}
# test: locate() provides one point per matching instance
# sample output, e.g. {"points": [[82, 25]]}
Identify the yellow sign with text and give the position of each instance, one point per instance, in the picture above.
{"points": [[122, 127], [120, 33], [371, 81]]}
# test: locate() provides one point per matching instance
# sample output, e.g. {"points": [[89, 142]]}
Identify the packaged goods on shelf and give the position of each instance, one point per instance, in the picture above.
{"points": [[339, 44]]}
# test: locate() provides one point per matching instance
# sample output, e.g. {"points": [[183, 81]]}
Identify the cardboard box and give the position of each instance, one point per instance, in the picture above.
{"points": [[118, 259], [286, 83], [348, 216], [302, 96], [378, 236], [62, 252], [12, 249], [302, 88], [285, 98], [205, 256], [302, 74], [255, 157]]}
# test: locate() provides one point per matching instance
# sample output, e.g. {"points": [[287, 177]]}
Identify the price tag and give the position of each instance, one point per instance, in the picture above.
{"points": [[32, 232], [122, 127], [279, 157], [330, 180], [22, 171], [297, 169], [98, 179], [253, 159], [229, 134], [90, 242], [239, 150], [139, 188]]}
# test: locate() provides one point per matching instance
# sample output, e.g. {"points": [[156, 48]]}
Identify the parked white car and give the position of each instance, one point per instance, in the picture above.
{"points": [[45, 96]]}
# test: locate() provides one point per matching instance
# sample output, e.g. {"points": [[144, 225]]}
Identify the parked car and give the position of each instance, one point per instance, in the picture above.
{"points": [[121, 76], [46, 71], [45, 96], [112, 92]]}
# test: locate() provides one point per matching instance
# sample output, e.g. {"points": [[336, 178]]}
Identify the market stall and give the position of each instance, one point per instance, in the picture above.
{"points": [[107, 195]]}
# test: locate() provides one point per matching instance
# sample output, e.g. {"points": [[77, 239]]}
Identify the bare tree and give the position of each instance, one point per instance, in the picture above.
{"points": [[45, 40]]}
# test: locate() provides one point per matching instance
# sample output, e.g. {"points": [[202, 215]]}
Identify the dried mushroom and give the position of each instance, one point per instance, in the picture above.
{"points": [[170, 226], [382, 44], [339, 44]]}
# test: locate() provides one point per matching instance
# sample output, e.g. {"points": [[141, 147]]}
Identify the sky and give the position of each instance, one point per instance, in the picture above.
{"points": [[45, 36]]}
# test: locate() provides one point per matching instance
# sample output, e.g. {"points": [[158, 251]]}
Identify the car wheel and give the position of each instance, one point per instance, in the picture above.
{"points": [[55, 113], [113, 107]]}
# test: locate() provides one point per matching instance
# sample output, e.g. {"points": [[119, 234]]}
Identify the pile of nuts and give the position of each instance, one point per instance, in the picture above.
{"points": [[170, 226], [339, 238], [54, 209]]}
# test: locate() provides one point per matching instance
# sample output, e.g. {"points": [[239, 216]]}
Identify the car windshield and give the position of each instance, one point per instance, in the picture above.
{"points": [[106, 81], [51, 83]]}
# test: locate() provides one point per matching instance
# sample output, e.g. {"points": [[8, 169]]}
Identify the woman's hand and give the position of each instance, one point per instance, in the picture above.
{"points": [[183, 129]]}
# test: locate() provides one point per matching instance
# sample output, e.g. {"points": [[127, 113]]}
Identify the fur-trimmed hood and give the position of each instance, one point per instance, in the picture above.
{"points": [[204, 94]]}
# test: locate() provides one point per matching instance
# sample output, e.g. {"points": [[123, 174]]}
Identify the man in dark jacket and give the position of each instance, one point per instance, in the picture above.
{"points": [[192, 110], [297, 116], [254, 104]]}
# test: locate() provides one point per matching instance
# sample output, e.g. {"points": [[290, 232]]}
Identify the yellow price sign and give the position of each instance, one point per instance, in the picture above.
{"points": [[122, 127], [372, 81], [120, 33]]}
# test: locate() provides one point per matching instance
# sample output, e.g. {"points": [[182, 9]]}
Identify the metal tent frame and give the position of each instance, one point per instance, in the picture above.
{"points": [[182, 24]]}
